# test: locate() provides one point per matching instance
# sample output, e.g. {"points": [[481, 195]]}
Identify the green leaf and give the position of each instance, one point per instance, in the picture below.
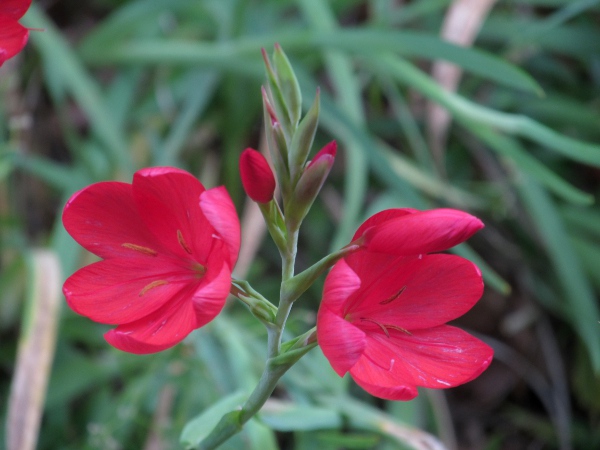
{"points": [[288, 416], [578, 296], [202, 86], [365, 417], [424, 45], [465, 110], [60, 60], [365, 42], [512, 150], [575, 40], [199, 428]]}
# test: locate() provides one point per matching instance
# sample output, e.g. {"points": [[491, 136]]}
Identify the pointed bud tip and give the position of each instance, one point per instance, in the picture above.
{"points": [[257, 177], [269, 108], [328, 151]]}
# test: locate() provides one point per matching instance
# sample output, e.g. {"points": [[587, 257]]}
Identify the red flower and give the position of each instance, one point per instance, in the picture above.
{"points": [[383, 315], [169, 247], [13, 35], [257, 176]]}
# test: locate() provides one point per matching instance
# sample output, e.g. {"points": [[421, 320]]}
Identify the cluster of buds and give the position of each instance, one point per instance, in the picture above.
{"points": [[290, 139]]}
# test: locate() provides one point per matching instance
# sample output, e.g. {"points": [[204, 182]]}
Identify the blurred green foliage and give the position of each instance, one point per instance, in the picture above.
{"points": [[111, 86]]}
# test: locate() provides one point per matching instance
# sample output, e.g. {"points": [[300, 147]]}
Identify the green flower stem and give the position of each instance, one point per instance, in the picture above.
{"points": [[278, 362], [285, 305], [285, 94], [294, 287], [275, 223], [232, 423]]}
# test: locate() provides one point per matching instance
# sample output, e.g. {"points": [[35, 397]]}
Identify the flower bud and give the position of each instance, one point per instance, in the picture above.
{"points": [[257, 176], [310, 183]]}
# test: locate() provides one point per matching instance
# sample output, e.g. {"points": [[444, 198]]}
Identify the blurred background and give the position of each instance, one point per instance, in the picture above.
{"points": [[488, 106]]}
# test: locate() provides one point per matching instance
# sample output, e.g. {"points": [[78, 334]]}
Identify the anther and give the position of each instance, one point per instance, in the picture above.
{"points": [[152, 286], [139, 248], [387, 333], [182, 242], [404, 330], [393, 297], [384, 328]]}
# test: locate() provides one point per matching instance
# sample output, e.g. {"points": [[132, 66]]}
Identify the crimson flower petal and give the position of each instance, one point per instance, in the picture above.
{"points": [[15, 9], [13, 37], [167, 199], [117, 290], [217, 206], [439, 357], [381, 217], [342, 343], [157, 331], [415, 293], [341, 282], [102, 217], [209, 299], [422, 232]]}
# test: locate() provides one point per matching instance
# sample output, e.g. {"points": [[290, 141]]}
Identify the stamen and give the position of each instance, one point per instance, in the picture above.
{"points": [[139, 248], [393, 297], [152, 286], [387, 333], [394, 327], [384, 328], [182, 242]]}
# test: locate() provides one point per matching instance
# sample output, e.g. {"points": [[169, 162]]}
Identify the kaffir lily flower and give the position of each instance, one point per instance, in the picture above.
{"points": [[13, 35], [257, 177], [168, 247], [383, 315]]}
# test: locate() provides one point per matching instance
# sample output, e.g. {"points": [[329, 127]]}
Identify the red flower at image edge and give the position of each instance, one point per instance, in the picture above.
{"points": [[13, 35], [383, 316], [169, 246]]}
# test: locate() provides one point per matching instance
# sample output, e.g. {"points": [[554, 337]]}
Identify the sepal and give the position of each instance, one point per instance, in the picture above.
{"points": [[277, 98], [288, 84], [277, 145], [303, 140], [275, 223]]}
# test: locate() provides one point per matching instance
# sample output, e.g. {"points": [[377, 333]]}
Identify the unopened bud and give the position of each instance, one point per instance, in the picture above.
{"points": [[310, 183], [257, 176]]}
